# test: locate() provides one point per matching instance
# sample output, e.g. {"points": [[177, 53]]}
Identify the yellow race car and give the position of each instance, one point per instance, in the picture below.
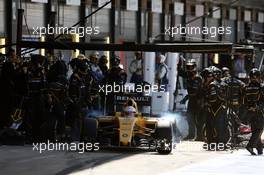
{"points": [[129, 129]]}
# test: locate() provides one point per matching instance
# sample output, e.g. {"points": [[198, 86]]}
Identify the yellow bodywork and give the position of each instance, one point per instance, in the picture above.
{"points": [[126, 127], [129, 126]]}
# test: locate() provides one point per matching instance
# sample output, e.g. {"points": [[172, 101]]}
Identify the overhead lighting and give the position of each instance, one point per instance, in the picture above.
{"points": [[107, 53], [216, 58], [2, 42], [76, 39], [42, 51]]}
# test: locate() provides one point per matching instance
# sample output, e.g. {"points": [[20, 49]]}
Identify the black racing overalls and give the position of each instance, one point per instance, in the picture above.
{"points": [[216, 120], [253, 100]]}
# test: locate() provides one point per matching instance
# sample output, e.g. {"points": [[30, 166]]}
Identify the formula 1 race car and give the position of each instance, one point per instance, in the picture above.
{"points": [[130, 129]]}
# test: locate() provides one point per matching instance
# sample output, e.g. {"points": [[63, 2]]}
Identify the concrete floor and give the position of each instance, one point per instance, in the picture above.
{"points": [[238, 163], [23, 161], [186, 158]]}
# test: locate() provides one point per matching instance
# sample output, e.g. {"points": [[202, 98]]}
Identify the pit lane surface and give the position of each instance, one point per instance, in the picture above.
{"points": [[23, 160], [183, 160], [238, 163]]}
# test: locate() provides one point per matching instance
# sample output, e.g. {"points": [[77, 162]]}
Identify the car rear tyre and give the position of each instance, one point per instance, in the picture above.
{"points": [[163, 135]]}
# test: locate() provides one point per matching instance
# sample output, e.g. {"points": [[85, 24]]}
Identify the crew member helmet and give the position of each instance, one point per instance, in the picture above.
{"points": [[191, 65], [216, 71], [254, 74], [82, 66], [116, 61], [207, 72]]}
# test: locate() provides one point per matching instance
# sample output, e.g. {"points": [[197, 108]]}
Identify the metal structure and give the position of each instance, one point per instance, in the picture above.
{"points": [[194, 47]]}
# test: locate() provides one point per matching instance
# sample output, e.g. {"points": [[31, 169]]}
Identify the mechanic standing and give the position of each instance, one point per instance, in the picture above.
{"points": [[161, 72], [194, 88], [103, 65], [117, 74], [253, 100], [234, 96], [216, 119], [95, 69], [98, 78], [79, 88], [36, 104], [57, 87], [136, 69], [234, 90], [208, 77], [13, 87]]}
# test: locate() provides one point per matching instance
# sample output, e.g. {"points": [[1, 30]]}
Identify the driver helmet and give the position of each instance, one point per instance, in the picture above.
{"points": [[130, 111]]}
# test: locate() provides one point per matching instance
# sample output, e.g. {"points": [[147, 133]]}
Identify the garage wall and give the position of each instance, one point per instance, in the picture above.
{"points": [[156, 24], [194, 36], [34, 13], [178, 21], [258, 27], [241, 30], [212, 22], [102, 20], [232, 36], [68, 15], [2, 19], [128, 25]]}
